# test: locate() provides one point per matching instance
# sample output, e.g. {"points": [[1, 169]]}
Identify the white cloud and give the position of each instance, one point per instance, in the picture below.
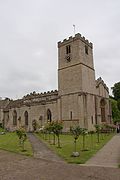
{"points": [[30, 29]]}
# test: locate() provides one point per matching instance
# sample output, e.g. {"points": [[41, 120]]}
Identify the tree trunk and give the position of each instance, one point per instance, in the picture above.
{"points": [[83, 142], [58, 141], [98, 137], [91, 141], [53, 139], [75, 144], [49, 137]]}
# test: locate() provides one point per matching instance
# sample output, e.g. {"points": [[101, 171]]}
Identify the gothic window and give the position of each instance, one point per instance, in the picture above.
{"points": [[26, 118], [68, 49], [14, 118], [41, 118], [86, 49], [49, 115], [102, 105], [71, 115], [8, 117], [92, 119]]}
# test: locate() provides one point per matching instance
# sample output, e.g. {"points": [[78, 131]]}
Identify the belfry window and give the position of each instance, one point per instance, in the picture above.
{"points": [[68, 49], [86, 49]]}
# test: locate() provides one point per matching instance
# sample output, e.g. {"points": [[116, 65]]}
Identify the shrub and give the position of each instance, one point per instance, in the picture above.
{"points": [[22, 136]]}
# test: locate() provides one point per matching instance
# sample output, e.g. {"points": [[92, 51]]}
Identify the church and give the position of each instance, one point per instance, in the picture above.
{"points": [[80, 98]]}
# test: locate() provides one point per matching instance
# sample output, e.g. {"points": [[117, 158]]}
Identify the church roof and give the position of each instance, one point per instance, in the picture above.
{"points": [[100, 81], [14, 104], [4, 103], [32, 99]]}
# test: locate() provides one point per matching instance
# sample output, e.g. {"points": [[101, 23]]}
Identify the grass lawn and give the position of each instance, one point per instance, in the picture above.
{"points": [[1, 129], [67, 146], [10, 142]]}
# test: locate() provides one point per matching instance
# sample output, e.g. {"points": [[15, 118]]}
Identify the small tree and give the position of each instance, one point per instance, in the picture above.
{"points": [[75, 131], [22, 136], [48, 129], [91, 136], [102, 130], [45, 131], [98, 128], [84, 133], [52, 128], [57, 129], [34, 125]]}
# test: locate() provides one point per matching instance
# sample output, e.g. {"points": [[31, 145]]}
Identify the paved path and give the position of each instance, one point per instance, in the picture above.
{"points": [[40, 149], [18, 167], [108, 156]]}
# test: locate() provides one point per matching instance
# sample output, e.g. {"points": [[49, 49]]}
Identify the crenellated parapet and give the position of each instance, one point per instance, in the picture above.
{"points": [[33, 99], [76, 37], [36, 95]]}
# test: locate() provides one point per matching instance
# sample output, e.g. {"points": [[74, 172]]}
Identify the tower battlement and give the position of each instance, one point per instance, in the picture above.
{"points": [[76, 37]]}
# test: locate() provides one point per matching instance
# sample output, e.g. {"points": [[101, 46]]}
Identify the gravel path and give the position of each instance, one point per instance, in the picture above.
{"points": [[18, 167], [41, 150], [48, 166], [108, 156]]}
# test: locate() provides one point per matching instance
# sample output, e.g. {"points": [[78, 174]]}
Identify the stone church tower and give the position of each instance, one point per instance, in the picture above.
{"points": [[76, 82], [76, 70]]}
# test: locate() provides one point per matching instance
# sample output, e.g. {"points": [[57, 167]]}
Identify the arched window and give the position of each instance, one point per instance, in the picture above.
{"points": [[49, 115], [14, 118], [102, 106], [26, 118]]}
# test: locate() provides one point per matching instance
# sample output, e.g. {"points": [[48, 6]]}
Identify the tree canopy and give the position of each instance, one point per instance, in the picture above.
{"points": [[116, 93], [116, 90], [115, 110]]}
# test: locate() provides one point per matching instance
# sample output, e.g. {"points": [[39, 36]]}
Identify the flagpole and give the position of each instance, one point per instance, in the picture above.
{"points": [[74, 28]]}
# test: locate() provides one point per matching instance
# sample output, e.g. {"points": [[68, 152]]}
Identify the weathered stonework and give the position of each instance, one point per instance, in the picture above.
{"points": [[80, 98]]}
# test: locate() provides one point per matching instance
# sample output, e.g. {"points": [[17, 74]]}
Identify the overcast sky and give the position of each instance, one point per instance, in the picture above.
{"points": [[30, 30]]}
